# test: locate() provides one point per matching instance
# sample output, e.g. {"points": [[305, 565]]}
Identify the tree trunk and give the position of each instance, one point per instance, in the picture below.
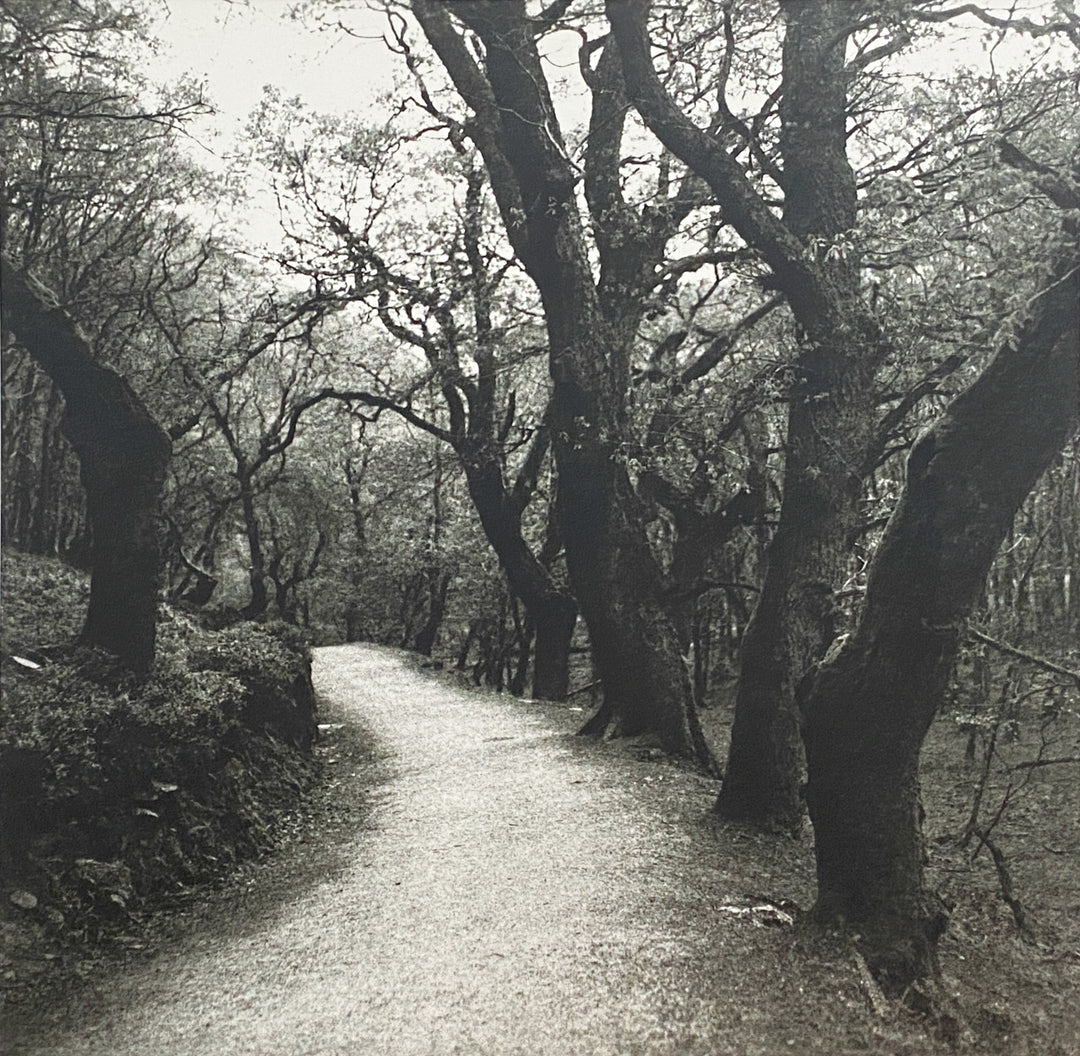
{"points": [[355, 627], [618, 582], [869, 708], [44, 506], [790, 628], [438, 588], [615, 577], [700, 536], [257, 576], [551, 607], [524, 635], [123, 455], [554, 631], [831, 420]]}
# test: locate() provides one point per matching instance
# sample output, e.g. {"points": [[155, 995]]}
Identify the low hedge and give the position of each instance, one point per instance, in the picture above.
{"points": [[115, 791]]}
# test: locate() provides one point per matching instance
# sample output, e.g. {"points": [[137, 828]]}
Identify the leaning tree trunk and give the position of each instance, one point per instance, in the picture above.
{"points": [[869, 708], [551, 607], [123, 455]]}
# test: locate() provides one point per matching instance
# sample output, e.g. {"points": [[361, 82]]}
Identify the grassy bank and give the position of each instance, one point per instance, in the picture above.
{"points": [[116, 793]]}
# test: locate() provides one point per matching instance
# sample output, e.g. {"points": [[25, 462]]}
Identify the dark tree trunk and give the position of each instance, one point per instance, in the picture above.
{"points": [[355, 627], [257, 575], [552, 609], [433, 577], [524, 634], [615, 577], [286, 601], [123, 455], [202, 590], [700, 535], [617, 581], [831, 419], [869, 708], [553, 626], [438, 588]]}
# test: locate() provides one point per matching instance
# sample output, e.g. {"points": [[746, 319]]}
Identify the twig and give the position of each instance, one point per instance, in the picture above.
{"points": [[1005, 881], [1031, 763], [971, 827], [1011, 650], [582, 689]]}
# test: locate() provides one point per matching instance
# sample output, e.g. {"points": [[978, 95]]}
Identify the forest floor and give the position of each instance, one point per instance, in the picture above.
{"points": [[478, 880]]}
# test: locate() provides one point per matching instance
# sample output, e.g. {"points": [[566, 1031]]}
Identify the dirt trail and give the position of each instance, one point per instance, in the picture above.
{"points": [[510, 890]]}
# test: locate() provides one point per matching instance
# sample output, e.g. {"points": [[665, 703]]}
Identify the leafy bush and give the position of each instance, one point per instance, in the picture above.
{"points": [[116, 790], [273, 663]]}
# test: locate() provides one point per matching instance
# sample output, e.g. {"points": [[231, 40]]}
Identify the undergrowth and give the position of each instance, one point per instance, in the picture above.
{"points": [[117, 792]]}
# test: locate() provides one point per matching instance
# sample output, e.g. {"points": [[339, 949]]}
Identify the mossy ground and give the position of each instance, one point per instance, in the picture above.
{"points": [[1004, 990]]}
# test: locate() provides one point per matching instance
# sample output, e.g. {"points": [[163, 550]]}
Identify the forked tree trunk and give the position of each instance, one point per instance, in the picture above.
{"points": [[615, 577], [123, 456], [831, 419], [646, 687], [869, 708]]}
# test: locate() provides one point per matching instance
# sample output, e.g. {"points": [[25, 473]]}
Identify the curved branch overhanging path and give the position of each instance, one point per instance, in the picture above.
{"points": [[510, 890]]}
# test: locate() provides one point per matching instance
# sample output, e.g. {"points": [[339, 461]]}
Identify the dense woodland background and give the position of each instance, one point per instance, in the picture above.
{"points": [[737, 373]]}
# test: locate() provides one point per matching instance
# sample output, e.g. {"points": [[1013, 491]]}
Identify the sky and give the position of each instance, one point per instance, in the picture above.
{"points": [[237, 47]]}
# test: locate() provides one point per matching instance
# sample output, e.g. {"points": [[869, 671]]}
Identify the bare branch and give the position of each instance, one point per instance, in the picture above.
{"points": [[529, 474], [550, 15], [1031, 658], [1059, 189], [1032, 764], [1070, 27], [722, 345], [485, 129], [879, 449]]}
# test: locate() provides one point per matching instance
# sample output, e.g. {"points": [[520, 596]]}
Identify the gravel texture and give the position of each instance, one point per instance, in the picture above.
{"points": [[490, 885]]}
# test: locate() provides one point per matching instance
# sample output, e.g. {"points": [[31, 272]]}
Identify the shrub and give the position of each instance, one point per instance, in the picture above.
{"points": [[274, 664], [115, 790]]}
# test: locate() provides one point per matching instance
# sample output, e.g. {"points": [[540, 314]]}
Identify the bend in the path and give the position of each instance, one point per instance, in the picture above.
{"points": [[513, 892]]}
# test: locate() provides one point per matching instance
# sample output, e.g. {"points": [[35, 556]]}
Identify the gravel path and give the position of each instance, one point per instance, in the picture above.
{"points": [[506, 889]]}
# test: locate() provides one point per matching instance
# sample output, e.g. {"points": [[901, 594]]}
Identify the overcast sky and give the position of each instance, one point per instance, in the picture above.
{"points": [[236, 48]]}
